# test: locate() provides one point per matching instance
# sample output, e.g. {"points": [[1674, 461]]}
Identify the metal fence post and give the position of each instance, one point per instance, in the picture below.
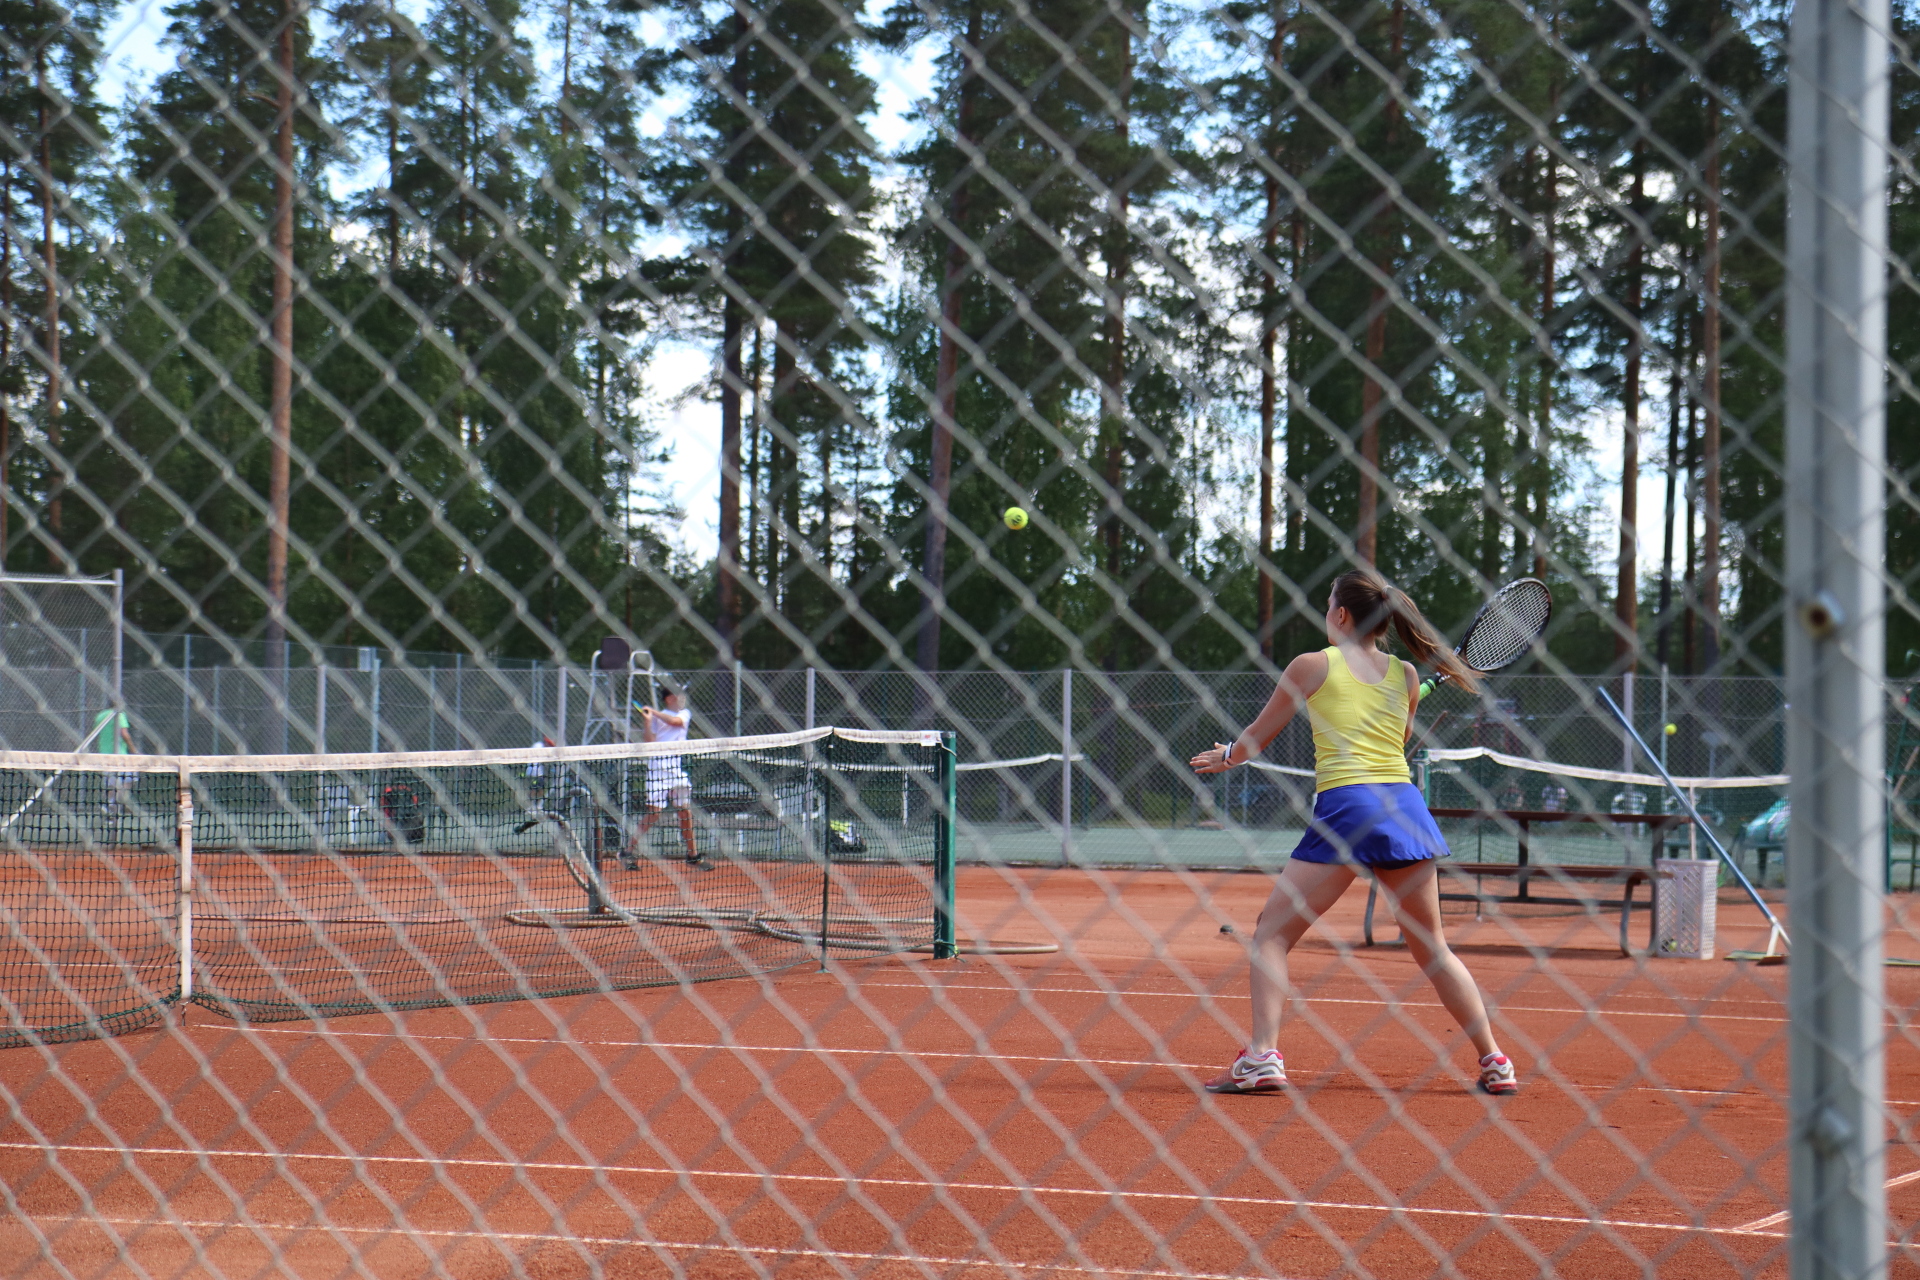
{"points": [[1836, 441], [119, 638], [1066, 765], [186, 695], [811, 674]]}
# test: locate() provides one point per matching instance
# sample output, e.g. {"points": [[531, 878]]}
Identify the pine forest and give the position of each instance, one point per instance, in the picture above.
{"points": [[1227, 298]]}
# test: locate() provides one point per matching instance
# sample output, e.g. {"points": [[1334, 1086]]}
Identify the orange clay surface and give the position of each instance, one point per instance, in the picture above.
{"points": [[1008, 1116]]}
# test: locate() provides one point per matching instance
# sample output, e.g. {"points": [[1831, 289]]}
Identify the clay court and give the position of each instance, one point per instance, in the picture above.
{"points": [[1031, 1115]]}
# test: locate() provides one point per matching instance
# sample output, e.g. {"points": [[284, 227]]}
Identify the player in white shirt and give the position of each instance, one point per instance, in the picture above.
{"points": [[668, 786]]}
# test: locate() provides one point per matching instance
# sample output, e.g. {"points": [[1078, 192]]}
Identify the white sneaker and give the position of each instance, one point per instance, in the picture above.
{"points": [[1496, 1075], [1252, 1073]]}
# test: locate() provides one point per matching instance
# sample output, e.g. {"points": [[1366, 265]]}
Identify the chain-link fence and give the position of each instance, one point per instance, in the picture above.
{"points": [[956, 417]]}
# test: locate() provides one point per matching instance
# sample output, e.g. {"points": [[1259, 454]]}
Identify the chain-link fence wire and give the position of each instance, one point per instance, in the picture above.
{"points": [[1055, 361]]}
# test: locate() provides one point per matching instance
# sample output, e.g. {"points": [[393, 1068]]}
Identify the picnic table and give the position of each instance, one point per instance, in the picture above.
{"points": [[1524, 871]]}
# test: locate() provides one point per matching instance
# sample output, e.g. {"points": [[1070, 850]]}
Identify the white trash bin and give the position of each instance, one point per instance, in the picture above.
{"points": [[1685, 895]]}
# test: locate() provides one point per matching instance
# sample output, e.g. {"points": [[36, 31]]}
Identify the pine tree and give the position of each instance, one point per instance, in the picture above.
{"points": [[779, 193], [54, 134], [184, 358]]}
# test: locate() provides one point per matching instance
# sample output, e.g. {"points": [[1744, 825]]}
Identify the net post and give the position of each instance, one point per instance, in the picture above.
{"points": [[1837, 281], [826, 841], [183, 817], [943, 849]]}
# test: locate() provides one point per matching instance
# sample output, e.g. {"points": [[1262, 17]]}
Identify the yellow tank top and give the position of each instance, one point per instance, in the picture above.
{"points": [[1359, 729]]}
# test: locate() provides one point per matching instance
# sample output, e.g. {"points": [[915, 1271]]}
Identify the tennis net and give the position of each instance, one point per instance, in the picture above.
{"points": [[271, 887]]}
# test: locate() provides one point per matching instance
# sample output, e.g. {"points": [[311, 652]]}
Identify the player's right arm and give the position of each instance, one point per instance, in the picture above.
{"points": [[1300, 681]]}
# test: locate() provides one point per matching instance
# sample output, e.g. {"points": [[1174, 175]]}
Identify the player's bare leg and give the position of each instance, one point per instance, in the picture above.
{"points": [[686, 836]]}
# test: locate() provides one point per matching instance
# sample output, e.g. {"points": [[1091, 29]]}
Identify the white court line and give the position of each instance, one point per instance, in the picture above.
{"points": [[1406, 1004], [541, 1237], [1779, 1219], [917, 1184], [746, 1048], [883, 1052]]}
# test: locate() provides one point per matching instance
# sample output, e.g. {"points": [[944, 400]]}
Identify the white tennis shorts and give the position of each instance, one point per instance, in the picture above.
{"points": [[668, 786]]}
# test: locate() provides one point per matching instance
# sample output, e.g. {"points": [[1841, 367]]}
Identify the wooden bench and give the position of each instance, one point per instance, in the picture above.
{"points": [[1525, 872]]}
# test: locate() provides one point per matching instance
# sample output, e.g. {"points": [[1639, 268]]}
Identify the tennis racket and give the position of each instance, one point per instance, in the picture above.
{"points": [[1504, 631]]}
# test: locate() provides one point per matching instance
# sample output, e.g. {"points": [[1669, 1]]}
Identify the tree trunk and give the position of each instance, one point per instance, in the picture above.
{"points": [[732, 382], [825, 567], [51, 346], [1674, 400], [1269, 378], [1710, 406], [1543, 434], [1366, 536], [1114, 392], [1688, 594], [1626, 601], [280, 351], [393, 168], [727, 583], [1269, 368], [1296, 505], [6, 348], [755, 516], [946, 389], [1492, 544], [1366, 516], [787, 478]]}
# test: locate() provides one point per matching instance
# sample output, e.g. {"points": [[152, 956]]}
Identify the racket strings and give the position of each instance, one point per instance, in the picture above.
{"points": [[1508, 628]]}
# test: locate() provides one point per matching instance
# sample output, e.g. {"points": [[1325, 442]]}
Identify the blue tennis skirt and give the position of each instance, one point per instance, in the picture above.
{"points": [[1376, 824]]}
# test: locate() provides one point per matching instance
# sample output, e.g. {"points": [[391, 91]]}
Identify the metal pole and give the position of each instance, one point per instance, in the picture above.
{"points": [[184, 816], [374, 719], [1626, 702], [320, 711], [946, 833], [560, 705], [1664, 712], [186, 695], [119, 634], [811, 673], [1066, 766], [737, 669], [1836, 277]]}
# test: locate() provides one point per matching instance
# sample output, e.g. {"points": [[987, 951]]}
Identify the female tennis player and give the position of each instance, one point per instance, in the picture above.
{"points": [[1360, 700]]}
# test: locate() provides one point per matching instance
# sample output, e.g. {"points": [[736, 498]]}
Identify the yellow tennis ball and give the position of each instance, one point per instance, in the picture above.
{"points": [[1672, 729], [1016, 518]]}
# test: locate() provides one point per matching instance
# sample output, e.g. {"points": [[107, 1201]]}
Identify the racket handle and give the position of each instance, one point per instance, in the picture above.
{"points": [[1426, 690]]}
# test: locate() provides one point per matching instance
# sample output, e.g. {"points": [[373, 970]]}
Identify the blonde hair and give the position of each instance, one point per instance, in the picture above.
{"points": [[1375, 605]]}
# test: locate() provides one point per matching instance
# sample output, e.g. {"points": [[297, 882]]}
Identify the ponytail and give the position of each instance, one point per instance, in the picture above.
{"points": [[1375, 606]]}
